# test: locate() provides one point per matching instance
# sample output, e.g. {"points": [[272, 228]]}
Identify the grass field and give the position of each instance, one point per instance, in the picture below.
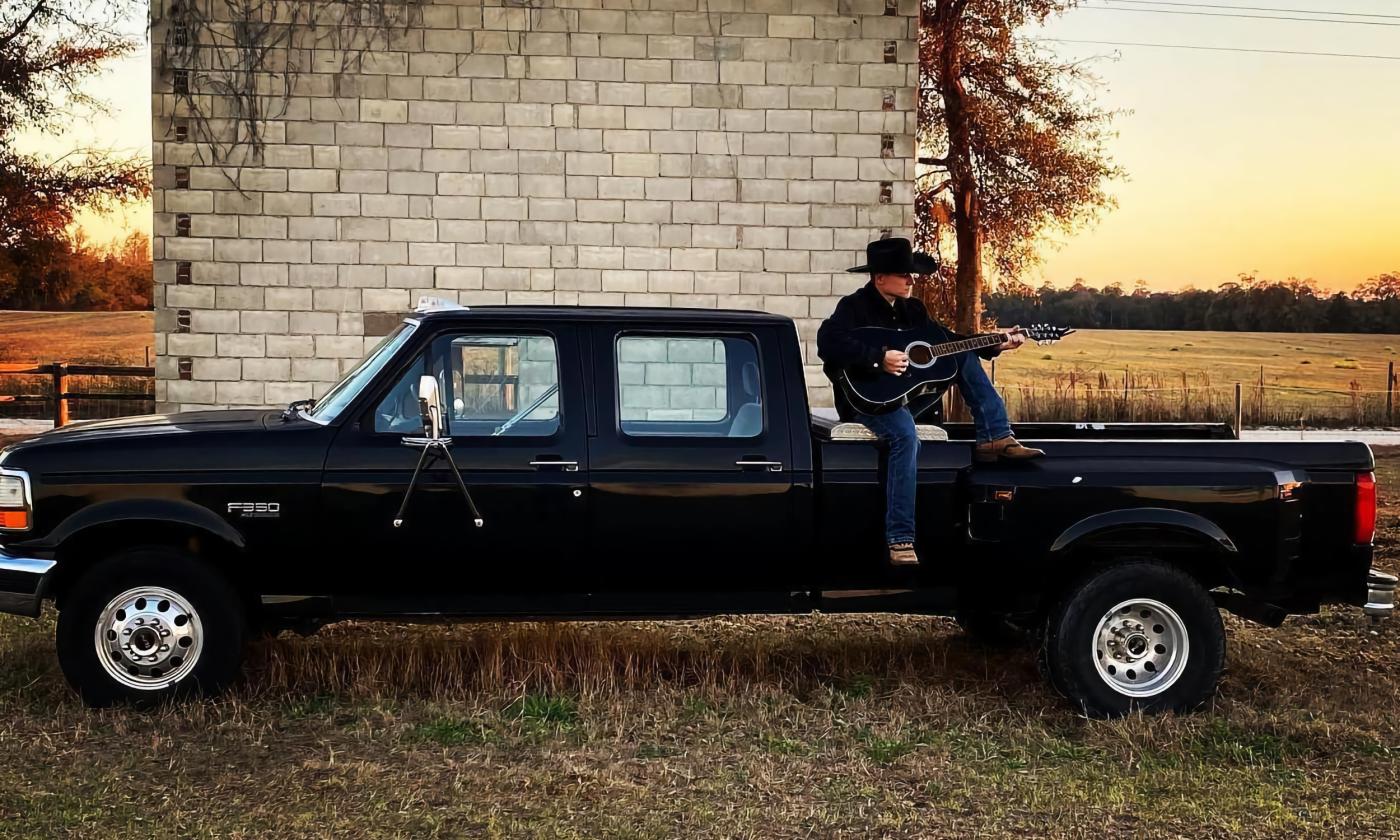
{"points": [[818, 726], [103, 338], [1314, 360], [1288, 379]]}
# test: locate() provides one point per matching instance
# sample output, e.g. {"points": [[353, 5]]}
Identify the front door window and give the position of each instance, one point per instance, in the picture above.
{"points": [[494, 386]]}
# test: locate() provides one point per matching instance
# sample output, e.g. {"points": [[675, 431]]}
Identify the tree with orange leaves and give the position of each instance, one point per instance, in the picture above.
{"points": [[47, 49], [1018, 151]]}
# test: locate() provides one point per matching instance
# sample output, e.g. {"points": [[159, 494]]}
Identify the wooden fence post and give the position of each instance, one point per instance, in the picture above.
{"points": [[60, 388], [1390, 394], [1239, 409]]}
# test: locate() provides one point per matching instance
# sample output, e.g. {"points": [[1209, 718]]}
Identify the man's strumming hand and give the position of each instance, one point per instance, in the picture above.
{"points": [[896, 362]]}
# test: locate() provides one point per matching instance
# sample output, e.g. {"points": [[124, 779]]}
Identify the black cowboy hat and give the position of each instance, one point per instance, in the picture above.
{"points": [[895, 256]]}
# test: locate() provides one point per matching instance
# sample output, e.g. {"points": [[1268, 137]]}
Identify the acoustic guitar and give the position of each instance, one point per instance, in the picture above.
{"points": [[930, 363]]}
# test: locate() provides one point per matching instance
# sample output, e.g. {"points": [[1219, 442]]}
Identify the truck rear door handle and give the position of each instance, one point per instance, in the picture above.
{"points": [[566, 466], [772, 466]]}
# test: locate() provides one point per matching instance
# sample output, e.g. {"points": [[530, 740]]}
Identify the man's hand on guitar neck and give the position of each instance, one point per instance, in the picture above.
{"points": [[896, 362], [1014, 339]]}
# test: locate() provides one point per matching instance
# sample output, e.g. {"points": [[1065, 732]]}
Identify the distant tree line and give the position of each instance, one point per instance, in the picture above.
{"points": [[1249, 304], [66, 272]]}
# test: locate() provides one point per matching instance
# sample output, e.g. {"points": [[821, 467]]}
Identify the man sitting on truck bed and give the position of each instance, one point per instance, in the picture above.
{"points": [[886, 302]]}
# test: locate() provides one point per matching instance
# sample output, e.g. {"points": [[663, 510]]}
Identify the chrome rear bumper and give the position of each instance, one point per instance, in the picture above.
{"points": [[1380, 594], [22, 583]]}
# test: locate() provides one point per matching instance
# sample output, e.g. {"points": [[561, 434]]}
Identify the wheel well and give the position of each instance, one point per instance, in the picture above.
{"points": [[86, 548], [1204, 562]]}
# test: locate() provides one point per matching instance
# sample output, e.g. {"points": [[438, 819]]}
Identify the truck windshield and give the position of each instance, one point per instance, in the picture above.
{"points": [[337, 398]]}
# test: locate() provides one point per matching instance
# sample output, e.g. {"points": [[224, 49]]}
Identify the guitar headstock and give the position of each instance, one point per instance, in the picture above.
{"points": [[1045, 333]]}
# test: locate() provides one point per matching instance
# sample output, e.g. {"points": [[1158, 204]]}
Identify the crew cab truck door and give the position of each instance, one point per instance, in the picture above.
{"points": [[514, 412], [691, 464]]}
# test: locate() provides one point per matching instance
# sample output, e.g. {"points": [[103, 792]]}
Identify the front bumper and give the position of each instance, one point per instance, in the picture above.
{"points": [[1380, 594], [22, 582]]}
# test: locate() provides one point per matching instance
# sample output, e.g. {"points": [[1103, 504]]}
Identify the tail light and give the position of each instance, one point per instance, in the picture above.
{"points": [[1365, 508]]}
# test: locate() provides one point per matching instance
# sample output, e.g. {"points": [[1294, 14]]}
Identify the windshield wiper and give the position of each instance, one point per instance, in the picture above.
{"points": [[296, 405]]}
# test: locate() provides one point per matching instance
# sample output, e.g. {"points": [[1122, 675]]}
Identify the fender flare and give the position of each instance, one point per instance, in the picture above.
{"points": [[165, 511], [1149, 517]]}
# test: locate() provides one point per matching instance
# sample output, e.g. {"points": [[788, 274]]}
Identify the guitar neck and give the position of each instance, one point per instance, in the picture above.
{"points": [[967, 345]]}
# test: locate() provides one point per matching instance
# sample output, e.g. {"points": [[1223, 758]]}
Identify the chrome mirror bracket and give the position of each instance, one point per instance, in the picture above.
{"points": [[433, 449]]}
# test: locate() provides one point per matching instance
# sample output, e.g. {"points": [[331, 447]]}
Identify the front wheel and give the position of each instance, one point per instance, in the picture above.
{"points": [[148, 625], [1141, 635]]}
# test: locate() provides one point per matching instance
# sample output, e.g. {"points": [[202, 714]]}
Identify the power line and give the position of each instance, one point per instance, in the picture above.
{"points": [[1223, 49], [1252, 8], [1245, 17]]}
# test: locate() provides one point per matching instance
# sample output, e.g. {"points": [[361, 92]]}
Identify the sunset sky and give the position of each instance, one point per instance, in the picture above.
{"points": [[1284, 164]]}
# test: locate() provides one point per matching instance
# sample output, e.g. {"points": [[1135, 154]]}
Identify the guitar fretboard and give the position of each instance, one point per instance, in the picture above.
{"points": [[977, 342]]}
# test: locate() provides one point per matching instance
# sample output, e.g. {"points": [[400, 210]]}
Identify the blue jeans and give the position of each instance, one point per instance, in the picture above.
{"points": [[896, 429], [987, 407]]}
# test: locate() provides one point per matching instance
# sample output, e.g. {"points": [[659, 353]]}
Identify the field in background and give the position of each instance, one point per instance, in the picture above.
{"points": [[1311, 360], [99, 338], [1314, 379], [95, 338], [825, 726]]}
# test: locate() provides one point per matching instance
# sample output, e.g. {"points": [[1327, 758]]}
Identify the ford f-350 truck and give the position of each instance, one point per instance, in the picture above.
{"points": [[619, 463]]}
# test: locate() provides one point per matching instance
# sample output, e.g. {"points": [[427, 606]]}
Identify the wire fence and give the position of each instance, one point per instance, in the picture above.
{"points": [[1252, 405]]}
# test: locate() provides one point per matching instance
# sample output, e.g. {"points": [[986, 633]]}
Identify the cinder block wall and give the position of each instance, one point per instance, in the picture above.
{"points": [[707, 153]]}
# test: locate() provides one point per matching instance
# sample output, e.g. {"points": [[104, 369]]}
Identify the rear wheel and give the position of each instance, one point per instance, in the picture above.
{"points": [[1141, 635], [147, 625]]}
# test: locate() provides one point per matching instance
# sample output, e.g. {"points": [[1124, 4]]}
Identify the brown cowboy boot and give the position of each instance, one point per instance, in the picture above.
{"points": [[1006, 449], [902, 554]]}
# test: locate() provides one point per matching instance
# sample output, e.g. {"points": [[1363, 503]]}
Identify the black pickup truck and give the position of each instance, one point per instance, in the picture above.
{"points": [[647, 463]]}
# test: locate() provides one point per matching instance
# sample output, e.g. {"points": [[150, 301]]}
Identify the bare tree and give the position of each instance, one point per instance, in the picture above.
{"points": [[1019, 147]]}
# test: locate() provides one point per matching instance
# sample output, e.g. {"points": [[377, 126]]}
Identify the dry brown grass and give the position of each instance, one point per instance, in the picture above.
{"points": [[1289, 379], [827, 726], [99, 338]]}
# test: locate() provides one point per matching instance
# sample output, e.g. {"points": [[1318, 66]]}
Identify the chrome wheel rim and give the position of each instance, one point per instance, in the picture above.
{"points": [[1141, 647], [148, 638]]}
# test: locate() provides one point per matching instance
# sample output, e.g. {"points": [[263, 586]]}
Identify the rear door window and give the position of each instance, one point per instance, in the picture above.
{"points": [[689, 386]]}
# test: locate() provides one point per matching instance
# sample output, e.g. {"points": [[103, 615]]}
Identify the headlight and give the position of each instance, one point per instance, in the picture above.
{"points": [[14, 501]]}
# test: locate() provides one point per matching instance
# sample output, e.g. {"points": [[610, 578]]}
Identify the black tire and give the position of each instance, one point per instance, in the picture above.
{"points": [[993, 629], [218, 627], [1072, 649]]}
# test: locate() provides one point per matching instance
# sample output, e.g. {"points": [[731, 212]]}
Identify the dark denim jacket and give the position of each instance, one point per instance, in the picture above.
{"points": [[865, 307]]}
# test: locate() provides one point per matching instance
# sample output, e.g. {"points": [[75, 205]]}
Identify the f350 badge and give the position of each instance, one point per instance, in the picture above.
{"points": [[256, 510]]}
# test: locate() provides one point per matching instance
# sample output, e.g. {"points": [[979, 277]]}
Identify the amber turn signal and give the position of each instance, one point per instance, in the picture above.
{"points": [[15, 520]]}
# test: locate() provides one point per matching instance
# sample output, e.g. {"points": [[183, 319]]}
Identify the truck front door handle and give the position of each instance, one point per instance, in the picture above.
{"points": [[773, 466], [566, 466]]}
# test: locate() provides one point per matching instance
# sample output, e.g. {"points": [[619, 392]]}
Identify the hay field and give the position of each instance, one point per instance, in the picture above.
{"points": [[111, 338], [792, 727], [1329, 361]]}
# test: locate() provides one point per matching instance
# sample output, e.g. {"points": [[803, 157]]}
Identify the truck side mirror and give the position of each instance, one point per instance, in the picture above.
{"points": [[430, 407]]}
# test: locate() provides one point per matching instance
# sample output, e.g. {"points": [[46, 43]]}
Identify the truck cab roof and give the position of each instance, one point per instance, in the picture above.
{"points": [[652, 315]]}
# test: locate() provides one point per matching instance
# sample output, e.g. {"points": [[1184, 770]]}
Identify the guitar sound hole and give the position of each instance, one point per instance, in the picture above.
{"points": [[919, 354]]}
